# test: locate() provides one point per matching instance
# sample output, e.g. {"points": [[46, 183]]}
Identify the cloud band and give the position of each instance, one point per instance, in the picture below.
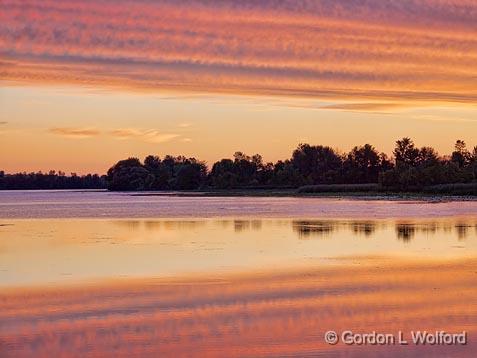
{"points": [[384, 50]]}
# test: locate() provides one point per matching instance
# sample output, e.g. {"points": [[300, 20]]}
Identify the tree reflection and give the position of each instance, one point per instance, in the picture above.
{"points": [[363, 227], [405, 232], [307, 229], [462, 230], [243, 225]]}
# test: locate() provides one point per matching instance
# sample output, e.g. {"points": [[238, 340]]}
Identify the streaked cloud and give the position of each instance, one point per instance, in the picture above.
{"points": [[147, 135], [185, 125], [3, 122], [441, 118], [366, 106], [363, 51], [75, 132]]}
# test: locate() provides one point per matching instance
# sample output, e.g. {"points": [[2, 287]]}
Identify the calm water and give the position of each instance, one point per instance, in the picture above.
{"points": [[91, 204], [113, 274], [48, 251]]}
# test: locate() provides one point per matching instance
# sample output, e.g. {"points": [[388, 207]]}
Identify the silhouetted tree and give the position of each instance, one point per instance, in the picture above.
{"points": [[223, 175], [190, 175], [461, 156], [128, 174], [52, 180], [286, 175], [362, 165], [317, 164], [161, 173], [417, 168], [405, 152], [427, 156], [243, 171], [179, 173]]}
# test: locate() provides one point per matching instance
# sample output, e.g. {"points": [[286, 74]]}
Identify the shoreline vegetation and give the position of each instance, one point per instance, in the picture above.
{"points": [[311, 171]]}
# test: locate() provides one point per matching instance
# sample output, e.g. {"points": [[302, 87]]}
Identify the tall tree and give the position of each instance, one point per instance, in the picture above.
{"points": [[461, 156], [405, 152]]}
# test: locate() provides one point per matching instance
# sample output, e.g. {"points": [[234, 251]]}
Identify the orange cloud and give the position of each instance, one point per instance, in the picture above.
{"points": [[366, 106], [422, 51], [75, 132], [148, 135]]}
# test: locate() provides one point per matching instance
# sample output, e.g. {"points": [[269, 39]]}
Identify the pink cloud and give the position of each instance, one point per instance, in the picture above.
{"points": [[411, 50]]}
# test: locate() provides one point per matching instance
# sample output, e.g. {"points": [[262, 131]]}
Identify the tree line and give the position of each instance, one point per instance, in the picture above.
{"points": [[51, 180], [409, 168]]}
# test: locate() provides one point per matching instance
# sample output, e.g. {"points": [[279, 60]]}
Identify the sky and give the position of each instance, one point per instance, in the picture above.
{"points": [[86, 83]]}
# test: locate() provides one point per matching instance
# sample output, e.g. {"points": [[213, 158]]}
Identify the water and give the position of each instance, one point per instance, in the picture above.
{"points": [[49, 251], [112, 274], [103, 204]]}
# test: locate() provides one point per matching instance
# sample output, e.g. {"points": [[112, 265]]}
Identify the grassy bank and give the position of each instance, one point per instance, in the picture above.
{"points": [[467, 189], [362, 191]]}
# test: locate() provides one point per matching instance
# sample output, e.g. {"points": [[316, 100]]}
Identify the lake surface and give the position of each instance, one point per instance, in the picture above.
{"points": [[103, 204], [113, 274]]}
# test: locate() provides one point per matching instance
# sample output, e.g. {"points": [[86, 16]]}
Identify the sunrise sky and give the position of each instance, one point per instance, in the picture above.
{"points": [[86, 83]]}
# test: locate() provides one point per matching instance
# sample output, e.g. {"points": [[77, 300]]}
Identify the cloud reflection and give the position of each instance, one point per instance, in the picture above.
{"points": [[274, 314]]}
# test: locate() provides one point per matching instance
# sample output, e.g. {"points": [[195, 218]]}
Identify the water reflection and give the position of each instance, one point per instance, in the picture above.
{"points": [[367, 228], [285, 313], [462, 230], [307, 229], [318, 228], [244, 225], [86, 248], [315, 228], [129, 224], [405, 232]]}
